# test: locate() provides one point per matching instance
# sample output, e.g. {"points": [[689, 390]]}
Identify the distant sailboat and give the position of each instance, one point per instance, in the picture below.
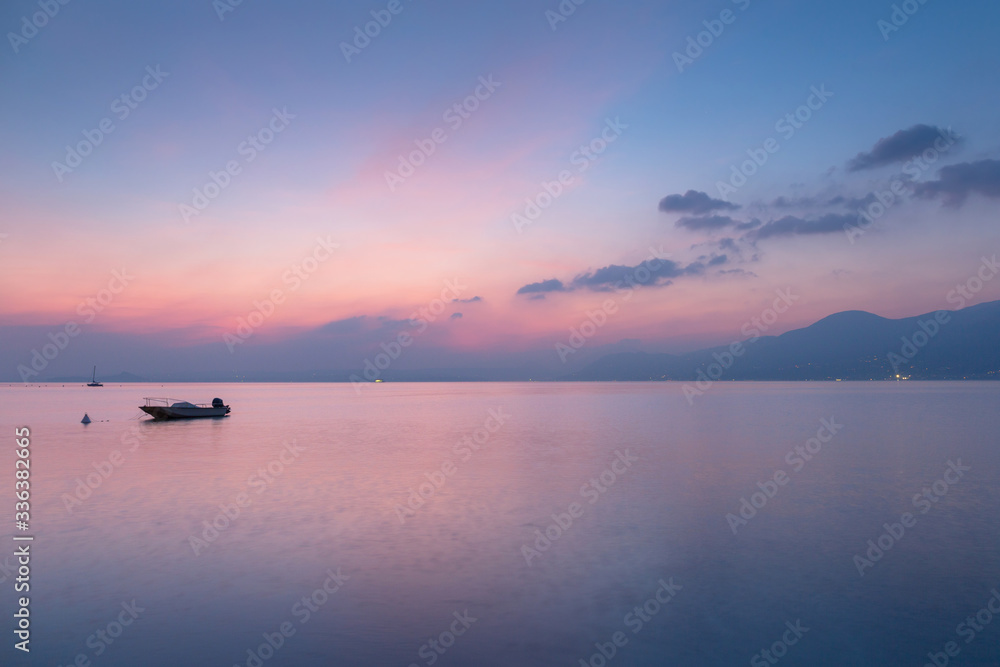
{"points": [[94, 382]]}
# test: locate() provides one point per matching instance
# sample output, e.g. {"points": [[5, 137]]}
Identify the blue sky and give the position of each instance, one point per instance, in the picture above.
{"points": [[558, 88]]}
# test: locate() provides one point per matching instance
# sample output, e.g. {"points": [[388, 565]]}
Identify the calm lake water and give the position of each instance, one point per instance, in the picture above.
{"points": [[317, 481]]}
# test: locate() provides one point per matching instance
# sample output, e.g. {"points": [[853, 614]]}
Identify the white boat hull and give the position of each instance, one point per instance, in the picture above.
{"points": [[163, 413]]}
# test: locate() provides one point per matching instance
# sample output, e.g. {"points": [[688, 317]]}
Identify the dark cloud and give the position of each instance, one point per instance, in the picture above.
{"points": [[350, 325], [715, 223], [809, 202], [472, 300], [717, 260], [900, 147], [711, 222], [651, 272], [791, 225], [393, 324], [854, 203], [794, 202], [738, 272], [456, 316], [552, 285], [956, 182], [694, 202], [819, 203], [363, 327], [736, 250], [727, 243]]}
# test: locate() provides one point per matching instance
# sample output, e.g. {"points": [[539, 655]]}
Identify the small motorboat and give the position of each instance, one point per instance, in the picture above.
{"points": [[162, 409], [94, 382]]}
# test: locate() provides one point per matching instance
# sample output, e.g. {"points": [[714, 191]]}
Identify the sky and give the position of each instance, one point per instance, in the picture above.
{"points": [[194, 188]]}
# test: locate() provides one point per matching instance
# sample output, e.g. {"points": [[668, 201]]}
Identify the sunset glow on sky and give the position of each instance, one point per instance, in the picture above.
{"points": [[253, 152]]}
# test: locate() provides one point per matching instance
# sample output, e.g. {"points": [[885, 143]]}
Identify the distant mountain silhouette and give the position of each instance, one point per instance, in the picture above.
{"points": [[852, 345]]}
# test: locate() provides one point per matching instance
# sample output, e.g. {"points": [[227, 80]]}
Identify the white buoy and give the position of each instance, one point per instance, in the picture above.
{"points": [[86, 419]]}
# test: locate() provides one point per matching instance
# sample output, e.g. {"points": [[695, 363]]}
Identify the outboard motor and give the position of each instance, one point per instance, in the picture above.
{"points": [[217, 403]]}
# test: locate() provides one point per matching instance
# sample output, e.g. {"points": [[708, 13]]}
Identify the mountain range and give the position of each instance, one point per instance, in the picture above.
{"points": [[851, 345]]}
